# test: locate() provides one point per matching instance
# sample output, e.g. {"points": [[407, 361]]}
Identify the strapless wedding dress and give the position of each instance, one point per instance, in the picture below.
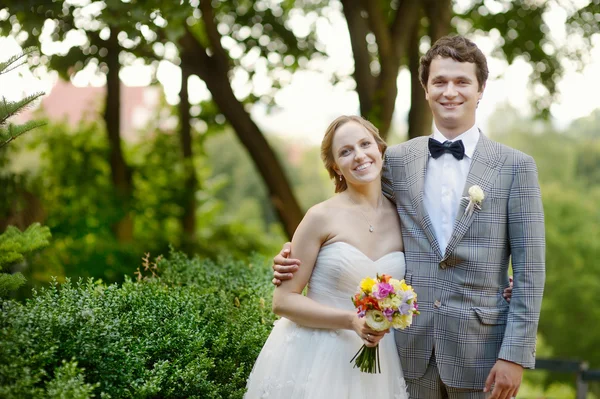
{"points": [[298, 362]]}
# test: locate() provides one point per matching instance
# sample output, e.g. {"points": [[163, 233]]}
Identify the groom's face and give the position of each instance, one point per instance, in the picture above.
{"points": [[453, 93]]}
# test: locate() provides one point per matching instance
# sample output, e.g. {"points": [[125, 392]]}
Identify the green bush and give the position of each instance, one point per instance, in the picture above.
{"points": [[193, 332]]}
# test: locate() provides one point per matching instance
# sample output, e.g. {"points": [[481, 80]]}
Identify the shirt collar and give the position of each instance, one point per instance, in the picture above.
{"points": [[469, 139]]}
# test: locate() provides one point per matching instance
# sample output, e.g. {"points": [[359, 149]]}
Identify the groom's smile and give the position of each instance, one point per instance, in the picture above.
{"points": [[451, 105]]}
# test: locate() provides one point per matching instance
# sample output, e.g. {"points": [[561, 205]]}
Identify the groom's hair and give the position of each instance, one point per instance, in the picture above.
{"points": [[327, 144], [460, 49]]}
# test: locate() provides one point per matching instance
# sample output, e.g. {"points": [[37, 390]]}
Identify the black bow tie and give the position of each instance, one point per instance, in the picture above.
{"points": [[436, 149]]}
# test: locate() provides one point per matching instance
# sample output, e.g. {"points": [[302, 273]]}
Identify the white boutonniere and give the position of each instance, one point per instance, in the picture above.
{"points": [[476, 196]]}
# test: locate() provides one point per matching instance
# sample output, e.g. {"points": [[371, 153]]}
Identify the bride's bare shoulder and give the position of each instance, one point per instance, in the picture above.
{"points": [[325, 211], [333, 204], [317, 222]]}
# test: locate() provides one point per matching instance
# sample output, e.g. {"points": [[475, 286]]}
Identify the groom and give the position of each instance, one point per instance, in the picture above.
{"points": [[468, 340]]}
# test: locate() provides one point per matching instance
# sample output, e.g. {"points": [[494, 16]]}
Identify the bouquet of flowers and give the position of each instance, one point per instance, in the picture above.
{"points": [[385, 302]]}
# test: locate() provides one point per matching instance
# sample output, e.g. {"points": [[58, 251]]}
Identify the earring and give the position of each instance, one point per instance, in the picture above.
{"points": [[340, 177]]}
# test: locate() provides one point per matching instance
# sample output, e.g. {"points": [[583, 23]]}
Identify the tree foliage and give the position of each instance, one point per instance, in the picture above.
{"points": [[60, 21], [71, 184], [246, 42]]}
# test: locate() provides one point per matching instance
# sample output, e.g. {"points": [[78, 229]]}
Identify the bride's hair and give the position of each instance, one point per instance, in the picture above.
{"points": [[326, 144]]}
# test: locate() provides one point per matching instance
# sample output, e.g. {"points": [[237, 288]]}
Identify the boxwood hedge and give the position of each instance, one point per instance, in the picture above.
{"points": [[192, 332]]}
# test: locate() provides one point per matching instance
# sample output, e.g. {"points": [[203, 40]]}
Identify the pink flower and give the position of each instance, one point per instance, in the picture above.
{"points": [[388, 313], [382, 290]]}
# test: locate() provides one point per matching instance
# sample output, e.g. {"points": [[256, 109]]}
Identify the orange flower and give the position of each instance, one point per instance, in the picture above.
{"points": [[356, 300], [370, 303]]}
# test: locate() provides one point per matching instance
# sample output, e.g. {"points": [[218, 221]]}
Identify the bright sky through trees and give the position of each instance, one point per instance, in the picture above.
{"points": [[310, 101]]}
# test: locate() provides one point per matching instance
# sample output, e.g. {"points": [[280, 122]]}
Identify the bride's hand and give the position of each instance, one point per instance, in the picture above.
{"points": [[369, 336]]}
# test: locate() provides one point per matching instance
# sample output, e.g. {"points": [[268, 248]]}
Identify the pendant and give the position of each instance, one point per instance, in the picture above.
{"points": [[370, 229]]}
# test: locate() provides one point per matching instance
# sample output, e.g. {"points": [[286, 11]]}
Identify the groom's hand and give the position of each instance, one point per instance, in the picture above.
{"points": [[507, 294], [506, 378], [284, 267]]}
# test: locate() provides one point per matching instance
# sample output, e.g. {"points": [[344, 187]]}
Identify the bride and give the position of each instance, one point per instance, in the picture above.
{"points": [[339, 242]]}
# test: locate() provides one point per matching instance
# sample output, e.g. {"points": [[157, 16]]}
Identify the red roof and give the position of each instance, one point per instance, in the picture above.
{"points": [[71, 103]]}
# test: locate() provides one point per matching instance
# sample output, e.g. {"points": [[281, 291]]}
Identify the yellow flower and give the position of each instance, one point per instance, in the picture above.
{"points": [[391, 303], [400, 285], [396, 284], [367, 284]]}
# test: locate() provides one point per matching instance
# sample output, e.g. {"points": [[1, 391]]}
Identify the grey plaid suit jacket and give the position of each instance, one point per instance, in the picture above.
{"points": [[463, 314]]}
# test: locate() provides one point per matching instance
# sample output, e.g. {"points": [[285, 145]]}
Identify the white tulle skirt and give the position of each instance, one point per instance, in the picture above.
{"points": [[298, 362]]}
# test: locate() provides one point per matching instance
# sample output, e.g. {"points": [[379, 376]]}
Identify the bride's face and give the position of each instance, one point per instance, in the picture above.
{"points": [[356, 154]]}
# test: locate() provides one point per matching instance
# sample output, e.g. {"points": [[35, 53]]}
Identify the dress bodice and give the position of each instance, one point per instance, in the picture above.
{"points": [[340, 267]]}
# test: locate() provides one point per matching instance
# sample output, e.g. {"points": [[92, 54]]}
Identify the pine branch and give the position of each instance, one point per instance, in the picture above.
{"points": [[10, 282], [11, 108], [13, 131], [8, 65], [14, 244]]}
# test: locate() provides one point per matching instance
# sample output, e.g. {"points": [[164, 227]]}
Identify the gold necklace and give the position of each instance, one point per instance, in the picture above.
{"points": [[371, 228]]}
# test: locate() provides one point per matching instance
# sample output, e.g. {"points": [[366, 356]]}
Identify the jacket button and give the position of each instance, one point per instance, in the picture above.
{"points": [[437, 304], [443, 265]]}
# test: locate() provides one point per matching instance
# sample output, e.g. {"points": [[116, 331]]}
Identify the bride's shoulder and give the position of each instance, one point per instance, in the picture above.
{"points": [[325, 210], [317, 221]]}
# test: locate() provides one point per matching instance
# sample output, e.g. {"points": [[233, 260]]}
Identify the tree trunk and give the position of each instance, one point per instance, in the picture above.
{"points": [[188, 219], [439, 13], [419, 116], [358, 30], [120, 173], [385, 100], [215, 76], [278, 185], [377, 94]]}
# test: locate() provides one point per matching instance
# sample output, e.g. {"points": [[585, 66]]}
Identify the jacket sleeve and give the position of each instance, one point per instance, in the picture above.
{"points": [[528, 251]]}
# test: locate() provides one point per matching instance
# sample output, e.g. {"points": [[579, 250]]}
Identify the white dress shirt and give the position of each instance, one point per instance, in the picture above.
{"points": [[445, 180]]}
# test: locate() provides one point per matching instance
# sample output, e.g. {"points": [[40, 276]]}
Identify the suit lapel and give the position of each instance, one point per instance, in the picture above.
{"points": [[416, 166], [484, 168]]}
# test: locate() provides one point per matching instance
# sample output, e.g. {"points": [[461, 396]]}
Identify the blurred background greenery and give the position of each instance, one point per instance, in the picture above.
{"points": [[201, 175]]}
